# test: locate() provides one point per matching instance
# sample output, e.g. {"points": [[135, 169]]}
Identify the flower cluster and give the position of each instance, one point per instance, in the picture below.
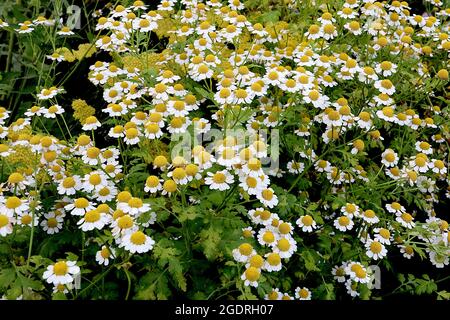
{"points": [[329, 142]]}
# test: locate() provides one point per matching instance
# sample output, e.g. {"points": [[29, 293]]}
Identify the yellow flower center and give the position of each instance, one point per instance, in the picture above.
{"points": [[152, 181], [95, 179], [179, 173], [376, 247], [252, 274], [81, 203], [267, 194], [284, 228], [268, 237], [170, 186], [125, 222], [303, 293], [344, 221], [26, 219], [256, 261], [15, 178], [283, 244], [135, 202], [105, 253], [138, 238], [245, 249], [307, 220], [60, 268], [93, 152], [52, 222], [92, 216], [274, 259], [4, 220], [13, 203], [407, 217], [219, 177], [123, 196]]}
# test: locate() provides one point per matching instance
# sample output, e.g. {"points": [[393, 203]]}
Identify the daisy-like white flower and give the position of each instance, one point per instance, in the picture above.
{"points": [[420, 163], [18, 181], [93, 219], [55, 56], [385, 86], [6, 224], [13, 205], [153, 184], [62, 272], [3, 24], [134, 206], [52, 111], [247, 232], [70, 185], [407, 251], [343, 223], [34, 111], [273, 262], [253, 168], [386, 68], [306, 223], [52, 222], [267, 236], [405, 219], [302, 293], [439, 260], [255, 261], [65, 31], [339, 273], [49, 93], [285, 247], [395, 207], [375, 249], [227, 156], [438, 166], [104, 255], [389, 158], [243, 253], [179, 175], [79, 207], [91, 156], [251, 185], [425, 184], [63, 288], [370, 216], [152, 131], [295, 167], [317, 99], [357, 272], [352, 288], [424, 147], [251, 276], [91, 123], [122, 225], [219, 180], [267, 197], [383, 235], [275, 294], [137, 242], [26, 219], [351, 210]]}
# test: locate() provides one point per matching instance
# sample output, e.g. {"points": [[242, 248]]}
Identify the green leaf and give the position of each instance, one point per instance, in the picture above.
{"points": [[210, 243], [176, 270], [309, 260], [271, 16], [7, 276], [188, 214], [59, 296]]}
